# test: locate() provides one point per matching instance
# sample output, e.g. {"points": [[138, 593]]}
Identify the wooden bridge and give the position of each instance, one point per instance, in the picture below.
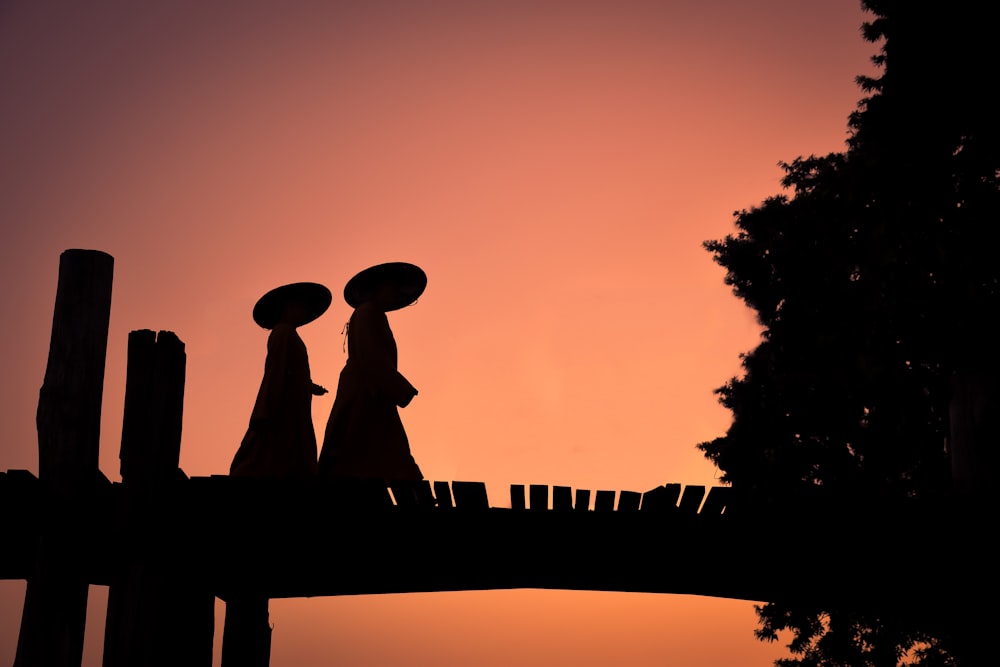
{"points": [[167, 545], [284, 540], [198, 538]]}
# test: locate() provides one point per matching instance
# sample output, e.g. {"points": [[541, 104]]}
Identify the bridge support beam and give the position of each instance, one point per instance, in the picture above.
{"points": [[246, 640]]}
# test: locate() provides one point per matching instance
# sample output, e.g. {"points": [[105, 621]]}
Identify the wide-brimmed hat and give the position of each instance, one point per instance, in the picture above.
{"points": [[408, 280], [315, 297]]}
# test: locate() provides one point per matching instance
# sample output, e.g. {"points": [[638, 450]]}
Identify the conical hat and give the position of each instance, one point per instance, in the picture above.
{"points": [[315, 297], [408, 279]]}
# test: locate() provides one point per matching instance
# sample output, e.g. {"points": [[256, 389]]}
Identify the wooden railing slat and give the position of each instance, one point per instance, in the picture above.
{"points": [[517, 497], [628, 501], [470, 495], [562, 498], [538, 497], [691, 499], [604, 501], [442, 494]]}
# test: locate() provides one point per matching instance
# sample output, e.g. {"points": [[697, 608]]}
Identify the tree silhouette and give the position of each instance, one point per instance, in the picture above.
{"points": [[874, 280]]}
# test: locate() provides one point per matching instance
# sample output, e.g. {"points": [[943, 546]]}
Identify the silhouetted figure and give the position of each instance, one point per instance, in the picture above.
{"points": [[364, 436], [281, 440]]}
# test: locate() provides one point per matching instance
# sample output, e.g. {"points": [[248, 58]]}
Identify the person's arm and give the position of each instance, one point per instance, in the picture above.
{"points": [[373, 348]]}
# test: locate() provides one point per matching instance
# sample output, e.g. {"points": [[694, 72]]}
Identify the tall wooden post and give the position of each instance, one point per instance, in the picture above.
{"points": [[975, 431], [246, 638], [69, 429], [156, 616], [974, 447]]}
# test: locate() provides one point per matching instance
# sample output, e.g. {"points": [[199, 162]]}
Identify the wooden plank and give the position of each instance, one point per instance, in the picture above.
{"points": [[562, 498], [412, 493], [691, 499], [604, 501], [425, 497], [360, 494], [517, 497], [582, 503], [276, 538], [442, 494], [655, 500], [21, 478], [402, 494], [538, 497], [470, 495], [661, 499], [628, 501], [715, 503]]}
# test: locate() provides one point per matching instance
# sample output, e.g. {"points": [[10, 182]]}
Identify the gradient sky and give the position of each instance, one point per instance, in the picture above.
{"points": [[554, 166]]}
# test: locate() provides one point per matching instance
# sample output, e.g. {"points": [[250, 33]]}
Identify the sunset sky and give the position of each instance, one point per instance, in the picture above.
{"points": [[553, 166]]}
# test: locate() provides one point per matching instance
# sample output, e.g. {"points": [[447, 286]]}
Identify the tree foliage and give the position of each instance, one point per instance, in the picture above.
{"points": [[873, 276]]}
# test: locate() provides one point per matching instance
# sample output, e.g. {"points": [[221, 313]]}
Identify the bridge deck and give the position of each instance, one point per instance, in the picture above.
{"points": [[303, 540]]}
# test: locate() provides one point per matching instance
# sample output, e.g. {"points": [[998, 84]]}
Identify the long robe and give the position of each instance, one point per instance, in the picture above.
{"points": [[364, 436], [281, 440]]}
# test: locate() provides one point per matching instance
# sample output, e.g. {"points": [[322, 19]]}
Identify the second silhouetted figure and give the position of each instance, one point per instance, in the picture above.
{"points": [[364, 436]]}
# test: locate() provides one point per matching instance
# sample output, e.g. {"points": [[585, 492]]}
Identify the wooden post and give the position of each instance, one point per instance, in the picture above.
{"points": [[246, 639], [974, 450], [69, 429], [975, 431], [155, 616]]}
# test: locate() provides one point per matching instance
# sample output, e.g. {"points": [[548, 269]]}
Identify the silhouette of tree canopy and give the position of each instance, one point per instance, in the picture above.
{"points": [[874, 280]]}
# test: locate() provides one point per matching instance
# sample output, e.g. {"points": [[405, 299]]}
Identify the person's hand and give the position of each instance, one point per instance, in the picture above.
{"points": [[406, 401], [318, 390]]}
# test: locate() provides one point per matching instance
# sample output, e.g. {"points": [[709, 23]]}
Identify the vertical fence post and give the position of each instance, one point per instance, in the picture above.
{"points": [[69, 428], [159, 611], [246, 639], [975, 431]]}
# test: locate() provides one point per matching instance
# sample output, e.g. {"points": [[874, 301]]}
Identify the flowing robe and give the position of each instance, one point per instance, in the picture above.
{"points": [[364, 436], [281, 440]]}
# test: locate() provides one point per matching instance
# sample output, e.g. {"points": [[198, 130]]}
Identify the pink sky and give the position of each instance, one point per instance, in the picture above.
{"points": [[553, 166]]}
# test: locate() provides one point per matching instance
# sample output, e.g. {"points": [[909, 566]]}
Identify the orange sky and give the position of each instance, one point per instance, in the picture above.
{"points": [[552, 165]]}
